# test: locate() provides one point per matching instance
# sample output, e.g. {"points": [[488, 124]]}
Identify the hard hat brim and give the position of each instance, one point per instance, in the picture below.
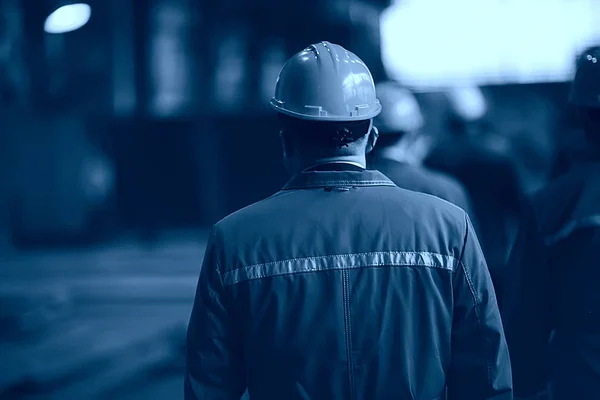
{"points": [[325, 118]]}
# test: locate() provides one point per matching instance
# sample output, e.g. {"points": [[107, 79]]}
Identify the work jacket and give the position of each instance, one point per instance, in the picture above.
{"points": [[344, 286]]}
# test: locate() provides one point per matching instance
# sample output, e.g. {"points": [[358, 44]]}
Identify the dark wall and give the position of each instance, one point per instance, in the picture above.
{"points": [[157, 182], [253, 164]]}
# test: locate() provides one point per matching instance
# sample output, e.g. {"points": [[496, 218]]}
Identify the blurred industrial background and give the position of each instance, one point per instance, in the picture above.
{"points": [[128, 127]]}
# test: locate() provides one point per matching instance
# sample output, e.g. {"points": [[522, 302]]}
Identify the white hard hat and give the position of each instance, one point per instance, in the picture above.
{"points": [[400, 110], [326, 82]]}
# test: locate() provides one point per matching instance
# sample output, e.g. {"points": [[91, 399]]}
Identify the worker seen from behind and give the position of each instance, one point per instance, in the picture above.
{"points": [[342, 285], [553, 322], [570, 145], [402, 147]]}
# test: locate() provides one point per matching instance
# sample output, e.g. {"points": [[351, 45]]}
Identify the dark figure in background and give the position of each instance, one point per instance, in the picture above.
{"points": [[402, 147], [343, 285], [481, 161], [571, 145], [558, 269]]}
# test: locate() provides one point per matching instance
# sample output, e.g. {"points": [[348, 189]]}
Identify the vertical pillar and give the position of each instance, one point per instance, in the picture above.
{"points": [[230, 79], [13, 97], [172, 65], [55, 56], [124, 84], [34, 54]]}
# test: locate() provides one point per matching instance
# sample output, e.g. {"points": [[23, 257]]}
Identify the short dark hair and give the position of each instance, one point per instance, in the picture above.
{"points": [[327, 135]]}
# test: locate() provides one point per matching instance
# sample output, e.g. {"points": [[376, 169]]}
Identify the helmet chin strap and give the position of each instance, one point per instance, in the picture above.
{"points": [[372, 139], [374, 129]]}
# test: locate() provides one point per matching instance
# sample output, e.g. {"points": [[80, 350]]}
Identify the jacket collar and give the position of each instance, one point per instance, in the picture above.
{"points": [[336, 166], [322, 179]]}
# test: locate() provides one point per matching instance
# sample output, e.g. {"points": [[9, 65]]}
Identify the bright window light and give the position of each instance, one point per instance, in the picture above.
{"points": [[68, 18], [434, 44]]}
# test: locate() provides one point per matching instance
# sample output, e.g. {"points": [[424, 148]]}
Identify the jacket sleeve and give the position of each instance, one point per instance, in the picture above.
{"points": [[214, 356], [480, 367], [527, 312]]}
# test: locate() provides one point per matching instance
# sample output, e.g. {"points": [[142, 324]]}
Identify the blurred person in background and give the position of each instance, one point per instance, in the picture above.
{"points": [[553, 320], [481, 160], [403, 146], [342, 285], [571, 144]]}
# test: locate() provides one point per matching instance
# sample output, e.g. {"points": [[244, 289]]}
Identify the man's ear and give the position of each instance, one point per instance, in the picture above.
{"points": [[372, 139]]}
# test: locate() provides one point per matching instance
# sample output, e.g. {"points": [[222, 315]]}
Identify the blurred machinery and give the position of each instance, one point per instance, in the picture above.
{"points": [[13, 80], [132, 62]]}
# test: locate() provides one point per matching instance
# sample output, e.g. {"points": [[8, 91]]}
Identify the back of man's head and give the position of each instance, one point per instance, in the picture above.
{"points": [[325, 98], [323, 137]]}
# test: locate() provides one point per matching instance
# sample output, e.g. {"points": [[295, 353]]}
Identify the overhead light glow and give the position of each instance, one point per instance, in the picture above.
{"points": [[68, 18]]}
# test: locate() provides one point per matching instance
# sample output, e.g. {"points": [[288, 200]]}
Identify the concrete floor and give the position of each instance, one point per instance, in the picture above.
{"points": [[102, 323]]}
